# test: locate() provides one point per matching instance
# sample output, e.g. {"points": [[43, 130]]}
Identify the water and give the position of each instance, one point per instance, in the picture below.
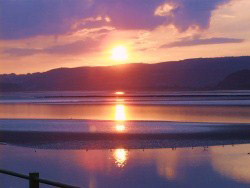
{"points": [[216, 166], [102, 139], [215, 113], [220, 106]]}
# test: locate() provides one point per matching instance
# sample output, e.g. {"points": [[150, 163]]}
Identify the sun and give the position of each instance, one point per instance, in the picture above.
{"points": [[119, 53]]}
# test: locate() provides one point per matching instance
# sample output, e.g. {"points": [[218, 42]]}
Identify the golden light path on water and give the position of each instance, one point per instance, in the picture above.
{"points": [[120, 116], [120, 155], [120, 113]]}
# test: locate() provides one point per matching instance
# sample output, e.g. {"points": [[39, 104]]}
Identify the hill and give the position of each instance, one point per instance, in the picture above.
{"points": [[237, 80], [189, 74]]}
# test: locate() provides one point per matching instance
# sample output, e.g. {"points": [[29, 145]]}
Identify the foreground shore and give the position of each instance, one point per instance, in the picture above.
{"points": [[91, 134]]}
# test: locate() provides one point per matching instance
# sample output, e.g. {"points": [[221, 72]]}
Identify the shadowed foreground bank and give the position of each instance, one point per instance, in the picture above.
{"points": [[88, 134], [126, 141]]}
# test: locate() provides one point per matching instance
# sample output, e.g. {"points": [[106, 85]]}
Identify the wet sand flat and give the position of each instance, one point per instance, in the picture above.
{"points": [[91, 134]]}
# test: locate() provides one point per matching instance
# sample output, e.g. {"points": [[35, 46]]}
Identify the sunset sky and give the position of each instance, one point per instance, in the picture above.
{"points": [[36, 36]]}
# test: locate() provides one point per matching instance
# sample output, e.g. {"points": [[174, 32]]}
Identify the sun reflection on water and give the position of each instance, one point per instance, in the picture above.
{"points": [[119, 127], [120, 112], [119, 93], [120, 118], [120, 156]]}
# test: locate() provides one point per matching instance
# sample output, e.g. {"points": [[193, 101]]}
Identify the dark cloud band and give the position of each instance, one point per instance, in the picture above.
{"points": [[28, 18], [201, 41]]}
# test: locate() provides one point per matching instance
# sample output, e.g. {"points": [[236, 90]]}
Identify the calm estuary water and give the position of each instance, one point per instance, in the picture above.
{"points": [[108, 163], [215, 166]]}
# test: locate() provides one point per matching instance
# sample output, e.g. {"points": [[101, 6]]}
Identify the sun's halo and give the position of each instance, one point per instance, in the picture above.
{"points": [[119, 53]]}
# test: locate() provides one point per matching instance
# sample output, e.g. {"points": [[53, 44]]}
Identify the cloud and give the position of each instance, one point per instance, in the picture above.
{"points": [[190, 13], [74, 48], [18, 52], [195, 41], [29, 18]]}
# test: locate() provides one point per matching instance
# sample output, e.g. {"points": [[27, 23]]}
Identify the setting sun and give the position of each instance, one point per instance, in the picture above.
{"points": [[119, 53]]}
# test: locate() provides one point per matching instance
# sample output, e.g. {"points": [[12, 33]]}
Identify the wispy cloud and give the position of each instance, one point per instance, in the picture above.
{"points": [[195, 41], [18, 52], [74, 48]]}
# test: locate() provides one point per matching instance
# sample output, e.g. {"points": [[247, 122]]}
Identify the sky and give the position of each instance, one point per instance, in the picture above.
{"points": [[37, 36]]}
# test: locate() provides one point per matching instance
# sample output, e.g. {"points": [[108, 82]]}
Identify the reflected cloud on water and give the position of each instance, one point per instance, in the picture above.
{"points": [[234, 163]]}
